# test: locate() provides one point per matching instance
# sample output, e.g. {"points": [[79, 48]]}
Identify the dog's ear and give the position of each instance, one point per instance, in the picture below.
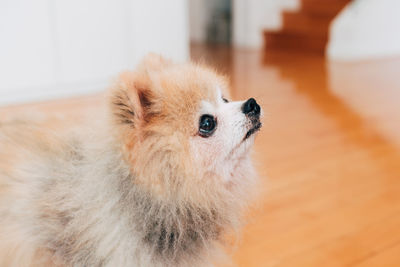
{"points": [[134, 96], [131, 99]]}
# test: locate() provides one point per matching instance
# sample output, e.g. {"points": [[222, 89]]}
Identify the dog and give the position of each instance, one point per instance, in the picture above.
{"points": [[161, 182]]}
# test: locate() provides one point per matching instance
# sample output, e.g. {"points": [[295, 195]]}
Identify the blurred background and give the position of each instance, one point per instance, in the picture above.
{"points": [[61, 48], [325, 72]]}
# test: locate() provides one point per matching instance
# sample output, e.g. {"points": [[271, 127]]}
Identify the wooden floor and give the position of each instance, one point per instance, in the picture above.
{"points": [[328, 155]]}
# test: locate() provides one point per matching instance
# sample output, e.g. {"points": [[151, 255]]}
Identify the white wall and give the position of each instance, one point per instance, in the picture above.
{"points": [[251, 17], [366, 29], [55, 48]]}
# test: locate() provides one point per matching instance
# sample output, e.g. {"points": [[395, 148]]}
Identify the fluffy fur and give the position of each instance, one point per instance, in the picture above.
{"points": [[143, 190]]}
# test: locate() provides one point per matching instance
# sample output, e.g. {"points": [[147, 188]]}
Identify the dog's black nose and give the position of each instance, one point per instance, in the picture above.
{"points": [[251, 107]]}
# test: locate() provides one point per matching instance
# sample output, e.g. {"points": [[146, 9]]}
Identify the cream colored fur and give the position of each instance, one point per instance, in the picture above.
{"points": [[142, 190]]}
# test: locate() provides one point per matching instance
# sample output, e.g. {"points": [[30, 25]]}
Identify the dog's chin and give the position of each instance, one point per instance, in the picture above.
{"points": [[244, 145], [255, 128]]}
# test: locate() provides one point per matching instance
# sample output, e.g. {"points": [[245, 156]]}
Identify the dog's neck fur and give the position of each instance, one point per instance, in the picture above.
{"points": [[174, 232]]}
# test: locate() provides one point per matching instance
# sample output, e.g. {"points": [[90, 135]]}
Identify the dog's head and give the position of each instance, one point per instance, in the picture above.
{"points": [[179, 131]]}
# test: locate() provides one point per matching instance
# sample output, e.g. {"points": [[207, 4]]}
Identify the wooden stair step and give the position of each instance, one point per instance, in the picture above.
{"points": [[284, 41], [302, 23], [323, 7], [306, 30]]}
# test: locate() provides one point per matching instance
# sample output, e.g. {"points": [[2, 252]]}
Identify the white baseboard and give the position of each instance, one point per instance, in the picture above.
{"points": [[25, 95]]}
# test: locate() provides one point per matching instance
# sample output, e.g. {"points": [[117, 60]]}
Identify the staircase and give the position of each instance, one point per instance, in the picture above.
{"points": [[305, 30]]}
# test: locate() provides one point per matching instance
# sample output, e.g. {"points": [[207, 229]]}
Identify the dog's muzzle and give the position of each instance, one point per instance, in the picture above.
{"points": [[252, 111]]}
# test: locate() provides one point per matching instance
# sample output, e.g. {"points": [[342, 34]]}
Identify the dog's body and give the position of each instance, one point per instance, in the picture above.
{"points": [[139, 192]]}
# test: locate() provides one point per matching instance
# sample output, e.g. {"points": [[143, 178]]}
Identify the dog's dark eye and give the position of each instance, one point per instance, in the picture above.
{"points": [[207, 125], [225, 100]]}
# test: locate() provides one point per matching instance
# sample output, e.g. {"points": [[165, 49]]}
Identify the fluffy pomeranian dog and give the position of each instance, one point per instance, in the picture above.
{"points": [[160, 184]]}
